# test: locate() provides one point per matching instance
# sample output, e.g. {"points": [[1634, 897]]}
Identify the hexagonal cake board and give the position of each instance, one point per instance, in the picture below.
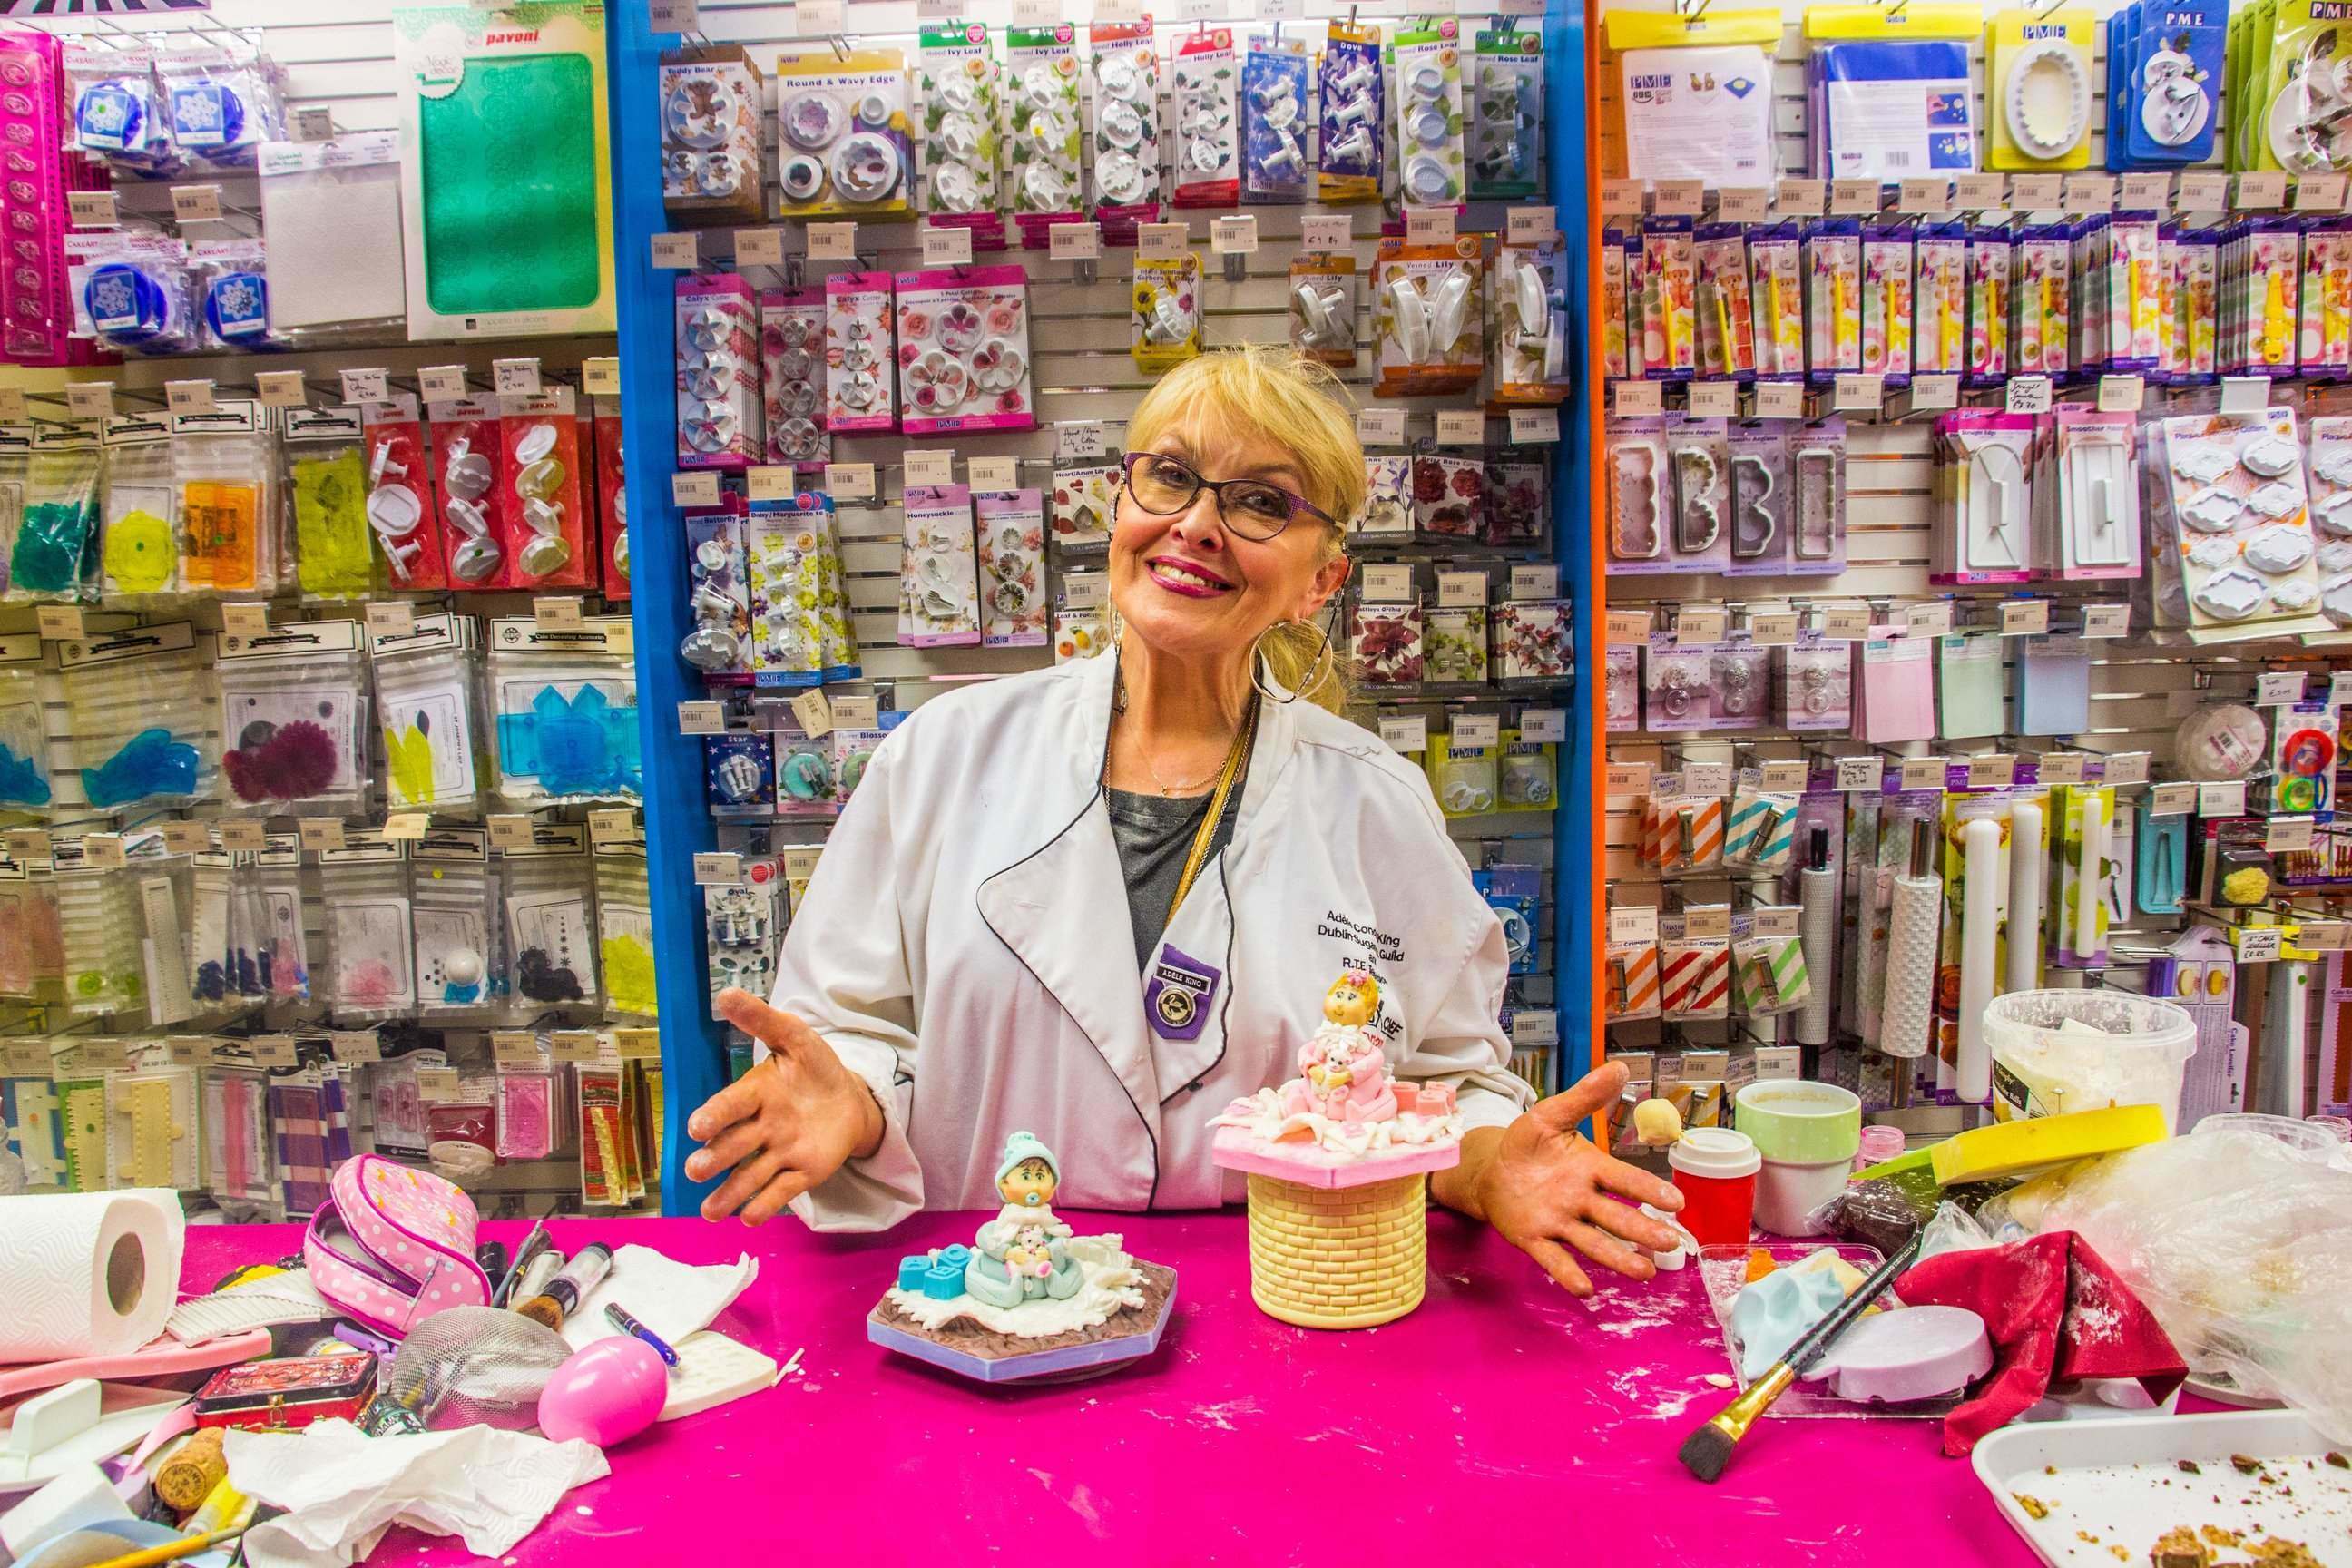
{"points": [[966, 1348]]}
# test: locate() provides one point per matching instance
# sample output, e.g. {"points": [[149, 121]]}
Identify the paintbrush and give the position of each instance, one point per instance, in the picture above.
{"points": [[171, 1551], [1705, 1451], [532, 1243]]}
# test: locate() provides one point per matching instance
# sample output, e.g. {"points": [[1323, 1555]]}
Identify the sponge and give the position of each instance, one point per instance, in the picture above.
{"points": [[2015, 1148]]}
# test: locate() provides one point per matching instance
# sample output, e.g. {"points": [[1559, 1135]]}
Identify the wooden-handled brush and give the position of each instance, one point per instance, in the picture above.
{"points": [[1705, 1451]]}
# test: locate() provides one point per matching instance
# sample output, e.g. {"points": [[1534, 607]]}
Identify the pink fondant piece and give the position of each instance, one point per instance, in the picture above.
{"points": [[157, 1358], [1309, 1164]]}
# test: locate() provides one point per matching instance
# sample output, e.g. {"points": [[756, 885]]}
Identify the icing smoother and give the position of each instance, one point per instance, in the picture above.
{"points": [[1110, 1284]]}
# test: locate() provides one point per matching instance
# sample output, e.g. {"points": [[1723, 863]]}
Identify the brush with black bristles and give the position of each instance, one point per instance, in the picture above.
{"points": [[1705, 1451]]}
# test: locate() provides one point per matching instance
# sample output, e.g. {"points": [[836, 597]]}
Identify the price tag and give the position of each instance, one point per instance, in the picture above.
{"points": [[1925, 196], [366, 386], [1388, 583], [1476, 730], [103, 851], [2028, 394], [1707, 778], [280, 388], [1774, 399], [58, 623], [2036, 193], [2263, 189], [1699, 624], [697, 718], [991, 474], [93, 209], [2090, 192], [1784, 775], [2024, 618], [436, 1084], [2145, 192], [1933, 394], [1460, 427], [1404, 732], [1993, 771], [2276, 687], [677, 252], [1626, 778], [1633, 927], [391, 618], [1626, 627], [600, 375], [1777, 920], [849, 482], [1086, 590], [89, 399], [1035, 13], [575, 1045], [769, 482], [1924, 773], [1636, 399], [515, 377], [1857, 775], [2258, 945], [407, 826], [832, 242], [2245, 394], [1538, 427], [2205, 192], [196, 204], [188, 396], [1851, 622], [1980, 193], [1461, 590], [929, 466], [1746, 203], [1378, 426], [514, 1047], [1703, 922], [2122, 394], [1933, 620], [759, 248], [1854, 198], [671, 15], [1538, 726], [28, 1058], [819, 19], [1773, 628], [1620, 198], [1328, 234], [1714, 400], [354, 1047], [1429, 225], [244, 834], [2222, 797], [1535, 580], [2176, 799], [1162, 241], [947, 247], [2287, 834], [557, 612], [510, 830], [440, 383], [12, 406], [185, 838], [1531, 226], [2319, 194], [1863, 393], [1234, 235], [630, 1043], [697, 488], [1678, 199], [2127, 768], [314, 122], [275, 1051], [189, 1050], [245, 620], [717, 868], [815, 712], [320, 833], [613, 825], [2061, 767]]}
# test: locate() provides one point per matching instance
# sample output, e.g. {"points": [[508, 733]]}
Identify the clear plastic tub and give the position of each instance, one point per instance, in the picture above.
{"points": [[2041, 1066], [2309, 1139]]}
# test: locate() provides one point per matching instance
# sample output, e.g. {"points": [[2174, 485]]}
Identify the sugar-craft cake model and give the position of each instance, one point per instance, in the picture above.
{"points": [[1028, 1297], [1338, 1162]]}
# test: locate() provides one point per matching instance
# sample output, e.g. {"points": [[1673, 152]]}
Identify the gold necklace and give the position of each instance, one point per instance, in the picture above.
{"points": [[1167, 791]]}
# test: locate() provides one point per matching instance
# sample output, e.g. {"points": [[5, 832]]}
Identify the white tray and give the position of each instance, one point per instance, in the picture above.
{"points": [[2120, 1481]]}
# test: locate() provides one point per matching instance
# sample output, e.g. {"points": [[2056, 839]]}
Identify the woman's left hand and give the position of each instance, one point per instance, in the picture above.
{"points": [[1547, 1188]]}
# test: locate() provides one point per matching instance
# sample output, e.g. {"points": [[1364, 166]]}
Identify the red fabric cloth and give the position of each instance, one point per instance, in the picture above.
{"points": [[2055, 1312]]}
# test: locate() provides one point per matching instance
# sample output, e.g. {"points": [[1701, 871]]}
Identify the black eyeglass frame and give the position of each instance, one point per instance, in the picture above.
{"points": [[1298, 503]]}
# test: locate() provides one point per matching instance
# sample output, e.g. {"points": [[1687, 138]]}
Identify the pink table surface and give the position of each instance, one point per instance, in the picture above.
{"points": [[1502, 1422]]}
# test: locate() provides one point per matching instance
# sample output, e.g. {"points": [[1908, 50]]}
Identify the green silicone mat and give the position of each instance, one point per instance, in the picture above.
{"points": [[509, 175]]}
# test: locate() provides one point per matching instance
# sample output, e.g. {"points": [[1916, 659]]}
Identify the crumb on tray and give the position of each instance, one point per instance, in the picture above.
{"points": [[2034, 1506], [2180, 1548], [2190, 1465]]}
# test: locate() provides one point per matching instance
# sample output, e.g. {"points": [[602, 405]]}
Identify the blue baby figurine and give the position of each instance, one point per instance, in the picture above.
{"points": [[1022, 1254]]}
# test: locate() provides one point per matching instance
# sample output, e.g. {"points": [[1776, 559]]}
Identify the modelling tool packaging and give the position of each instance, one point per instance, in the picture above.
{"points": [[1939, 295], [858, 356], [2259, 273], [1769, 973], [401, 516], [1432, 164], [1428, 309], [1696, 94], [957, 115], [806, 782], [1682, 826], [963, 351], [426, 679], [1127, 127], [798, 603], [1988, 274], [225, 460], [565, 707], [1776, 273], [791, 376], [1352, 98], [2288, 89], [139, 540], [141, 713], [2233, 551], [1462, 777], [1667, 294], [1323, 297], [2324, 325], [1832, 253], [221, 101], [1044, 135], [1530, 330], [2039, 87], [2042, 328], [1274, 166], [1506, 116], [1164, 326], [1887, 303], [938, 571], [1760, 830], [507, 179], [1889, 96], [712, 100], [719, 575], [719, 402], [55, 552], [468, 499], [546, 516], [1616, 342], [1726, 309], [1012, 530], [1204, 75], [370, 971], [463, 966], [624, 929], [2164, 84], [846, 148], [294, 720], [131, 289], [326, 470], [1984, 497], [153, 1122], [550, 920], [2087, 489]]}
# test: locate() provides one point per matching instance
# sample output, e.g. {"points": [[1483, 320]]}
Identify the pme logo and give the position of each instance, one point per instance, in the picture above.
{"points": [[2330, 11], [1651, 83], [2033, 30], [2184, 18]]}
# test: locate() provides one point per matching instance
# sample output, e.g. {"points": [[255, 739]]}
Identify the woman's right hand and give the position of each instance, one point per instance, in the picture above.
{"points": [[786, 1125]]}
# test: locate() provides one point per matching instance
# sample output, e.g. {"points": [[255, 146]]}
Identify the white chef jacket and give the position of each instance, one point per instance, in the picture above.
{"points": [[965, 947]]}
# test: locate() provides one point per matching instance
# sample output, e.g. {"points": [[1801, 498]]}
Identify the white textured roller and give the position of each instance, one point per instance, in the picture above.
{"points": [[2092, 887], [1816, 923], [1914, 924], [1980, 940], [2025, 873]]}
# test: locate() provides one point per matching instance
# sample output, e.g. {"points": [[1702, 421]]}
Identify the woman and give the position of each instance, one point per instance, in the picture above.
{"points": [[1105, 900]]}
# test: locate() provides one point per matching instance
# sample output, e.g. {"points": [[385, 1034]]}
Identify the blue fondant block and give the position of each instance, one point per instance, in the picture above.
{"points": [[911, 1269], [943, 1281], [955, 1256]]}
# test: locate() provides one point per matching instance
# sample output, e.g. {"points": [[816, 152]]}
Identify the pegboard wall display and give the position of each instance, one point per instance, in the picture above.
{"points": [[332, 662], [1976, 584]]}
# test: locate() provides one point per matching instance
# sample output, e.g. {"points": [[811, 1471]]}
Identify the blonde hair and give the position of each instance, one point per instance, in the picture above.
{"points": [[1298, 404]]}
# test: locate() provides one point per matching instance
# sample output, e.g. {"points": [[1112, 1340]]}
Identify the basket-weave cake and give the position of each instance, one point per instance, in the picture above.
{"points": [[1339, 1257]]}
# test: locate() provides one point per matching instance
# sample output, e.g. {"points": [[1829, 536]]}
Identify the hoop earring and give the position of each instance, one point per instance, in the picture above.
{"points": [[1316, 672]]}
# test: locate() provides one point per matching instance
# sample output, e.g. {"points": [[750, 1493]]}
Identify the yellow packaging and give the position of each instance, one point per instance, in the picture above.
{"points": [[1166, 319], [2039, 87]]}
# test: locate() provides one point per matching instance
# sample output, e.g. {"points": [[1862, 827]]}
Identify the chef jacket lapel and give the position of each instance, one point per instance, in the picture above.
{"points": [[1062, 906]]}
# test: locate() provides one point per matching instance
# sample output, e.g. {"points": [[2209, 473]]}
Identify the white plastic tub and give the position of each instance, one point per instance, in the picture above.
{"points": [[2040, 1068]]}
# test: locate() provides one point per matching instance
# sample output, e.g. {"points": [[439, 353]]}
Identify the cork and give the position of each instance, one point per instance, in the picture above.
{"points": [[194, 1468]]}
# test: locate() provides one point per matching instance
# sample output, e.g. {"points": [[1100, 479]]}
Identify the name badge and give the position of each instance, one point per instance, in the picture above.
{"points": [[1178, 997]]}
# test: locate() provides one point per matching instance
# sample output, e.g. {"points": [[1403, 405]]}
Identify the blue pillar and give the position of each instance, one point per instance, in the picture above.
{"points": [[1575, 871]]}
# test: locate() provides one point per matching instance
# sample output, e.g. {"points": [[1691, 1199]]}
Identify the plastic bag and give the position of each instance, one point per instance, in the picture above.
{"points": [[2241, 1248]]}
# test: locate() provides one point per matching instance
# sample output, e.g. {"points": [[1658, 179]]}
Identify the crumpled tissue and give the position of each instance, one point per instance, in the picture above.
{"points": [[343, 1489], [672, 1299]]}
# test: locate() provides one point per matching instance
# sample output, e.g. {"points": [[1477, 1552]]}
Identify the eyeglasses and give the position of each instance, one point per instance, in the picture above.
{"points": [[1254, 508]]}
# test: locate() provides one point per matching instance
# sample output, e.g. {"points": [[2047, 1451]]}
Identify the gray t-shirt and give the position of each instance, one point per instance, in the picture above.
{"points": [[1154, 835]]}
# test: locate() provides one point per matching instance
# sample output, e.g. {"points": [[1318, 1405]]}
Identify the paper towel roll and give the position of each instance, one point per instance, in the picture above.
{"points": [[85, 1274]]}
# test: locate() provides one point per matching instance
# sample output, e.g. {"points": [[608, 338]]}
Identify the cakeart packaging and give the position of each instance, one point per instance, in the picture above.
{"points": [[845, 147], [712, 100], [963, 350]]}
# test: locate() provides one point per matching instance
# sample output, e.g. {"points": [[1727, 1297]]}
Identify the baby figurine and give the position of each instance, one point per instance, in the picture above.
{"points": [[1343, 1077], [1021, 1254]]}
